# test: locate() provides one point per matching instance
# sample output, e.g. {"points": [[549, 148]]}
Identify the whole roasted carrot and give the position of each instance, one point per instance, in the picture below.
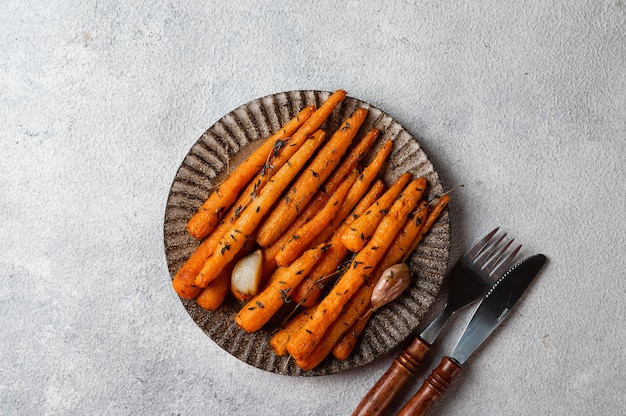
{"points": [[248, 220], [260, 309], [208, 215], [300, 193], [363, 227], [305, 340], [302, 237]]}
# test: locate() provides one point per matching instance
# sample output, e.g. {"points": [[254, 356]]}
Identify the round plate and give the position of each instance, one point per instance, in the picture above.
{"points": [[230, 140]]}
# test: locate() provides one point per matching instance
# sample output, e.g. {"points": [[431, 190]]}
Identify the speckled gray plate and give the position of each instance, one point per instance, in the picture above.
{"points": [[231, 139]]}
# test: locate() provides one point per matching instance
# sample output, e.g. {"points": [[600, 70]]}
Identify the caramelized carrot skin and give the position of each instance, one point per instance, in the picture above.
{"points": [[303, 342], [300, 193], [207, 217], [247, 222]]}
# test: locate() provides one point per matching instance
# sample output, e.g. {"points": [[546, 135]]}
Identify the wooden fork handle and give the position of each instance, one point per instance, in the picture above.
{"points": [[402, 369], [432, 389]]}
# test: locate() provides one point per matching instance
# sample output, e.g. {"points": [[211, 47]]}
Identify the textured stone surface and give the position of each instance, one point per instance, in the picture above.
{"points": [[523, 104]]}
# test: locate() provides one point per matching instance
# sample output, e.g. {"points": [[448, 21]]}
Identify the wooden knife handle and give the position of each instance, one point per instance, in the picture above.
{"points": [[432, 389], [389, 384]]}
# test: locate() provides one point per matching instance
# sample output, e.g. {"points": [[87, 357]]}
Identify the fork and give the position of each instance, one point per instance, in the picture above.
{"points": [[473, 274]]}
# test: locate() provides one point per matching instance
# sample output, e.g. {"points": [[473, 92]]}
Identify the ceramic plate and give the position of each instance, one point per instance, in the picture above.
{"points": [[230, 140]]}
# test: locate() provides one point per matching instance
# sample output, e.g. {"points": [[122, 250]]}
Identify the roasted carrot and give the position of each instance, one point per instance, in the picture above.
{"points": [[414, 233], [343, 333], [358, 310], [348, 164], [208, 215], [248, 220], [363, 227], [433, 216], [305, 340], [309, 290], [260, 309], [212, 296], [279, 340], [303, 236], [305, 186], [358, 189], [184, 280]]}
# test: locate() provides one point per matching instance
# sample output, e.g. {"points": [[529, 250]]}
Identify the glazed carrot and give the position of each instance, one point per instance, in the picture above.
{"points": [[260, 309], [348, 164], [303, 236], [359, 188], [279, 340], [212, 296], [358, 310], [363, 227], [307, 183], [208, 215], [247, 221], [305, 340], [184, 280], [416, 231], [310, 289], [433, 216]]}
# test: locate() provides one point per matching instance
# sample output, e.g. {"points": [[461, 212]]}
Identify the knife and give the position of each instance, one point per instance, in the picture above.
{"points": [[489, 315]]}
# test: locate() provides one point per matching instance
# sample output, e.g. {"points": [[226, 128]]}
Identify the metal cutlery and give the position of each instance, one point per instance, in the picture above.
{"points": [[489, 315], [470, 279]]}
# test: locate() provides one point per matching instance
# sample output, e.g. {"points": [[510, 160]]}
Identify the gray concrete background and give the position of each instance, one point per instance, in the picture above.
{"points": [[524, 104]]}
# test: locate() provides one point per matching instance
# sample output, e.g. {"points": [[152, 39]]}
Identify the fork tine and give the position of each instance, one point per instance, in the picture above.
{"points": [[479, 246], [506, 263], [488, 252], [495, 259]]}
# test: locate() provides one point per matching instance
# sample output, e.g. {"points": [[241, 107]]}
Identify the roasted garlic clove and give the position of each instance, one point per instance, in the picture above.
{"points": [[391, 284], [246, 276]]}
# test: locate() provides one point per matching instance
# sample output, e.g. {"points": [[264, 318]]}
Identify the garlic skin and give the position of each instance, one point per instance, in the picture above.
{"points": [[246, 276], [391, 284]]}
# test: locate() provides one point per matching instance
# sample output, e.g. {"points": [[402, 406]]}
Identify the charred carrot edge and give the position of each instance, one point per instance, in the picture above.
{"points": [[260, 309], [305, 340], [208, 215], [309, 290], [355, 237], [247, 222], [303, 236], [308, 182]]}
